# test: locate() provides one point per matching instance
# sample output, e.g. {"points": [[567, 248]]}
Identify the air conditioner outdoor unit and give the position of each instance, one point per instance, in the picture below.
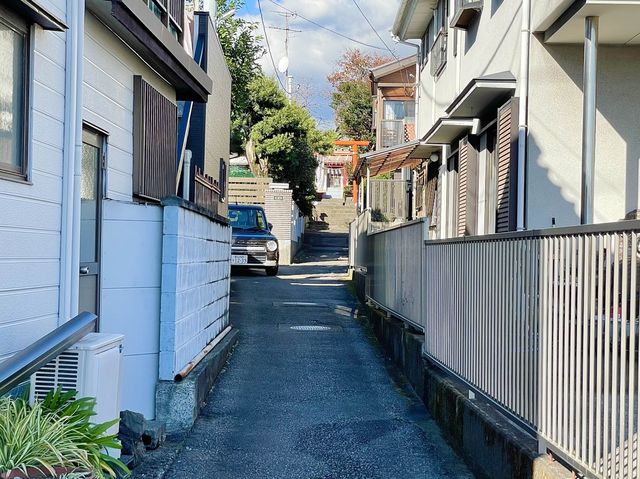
{"points": [[92, 368]]}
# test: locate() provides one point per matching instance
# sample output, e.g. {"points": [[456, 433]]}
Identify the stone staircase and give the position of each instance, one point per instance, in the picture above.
{"points": [[332, 215]]}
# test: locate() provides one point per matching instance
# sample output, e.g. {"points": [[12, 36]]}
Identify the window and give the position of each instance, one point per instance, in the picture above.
{"points": [[427, 43], [399, 110], [14, 57], [247, 218], [155, 126], [170, 13], [438, 47]]}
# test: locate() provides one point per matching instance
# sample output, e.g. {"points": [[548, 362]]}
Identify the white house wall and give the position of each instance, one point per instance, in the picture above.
{"points": [[30, 214], [130, 295], [109, 68], [491, 45], [555, 134]]}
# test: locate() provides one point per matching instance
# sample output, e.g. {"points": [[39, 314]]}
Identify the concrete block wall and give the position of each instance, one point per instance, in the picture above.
{"points": [[194, 305]]}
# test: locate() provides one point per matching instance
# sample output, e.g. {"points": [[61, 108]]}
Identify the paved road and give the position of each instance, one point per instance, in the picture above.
{"points": [[309, 404]]}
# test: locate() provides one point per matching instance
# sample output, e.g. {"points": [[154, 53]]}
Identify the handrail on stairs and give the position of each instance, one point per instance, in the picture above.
{"points": [[20, 366]]}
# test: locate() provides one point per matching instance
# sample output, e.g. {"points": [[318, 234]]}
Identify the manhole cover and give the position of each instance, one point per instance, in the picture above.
{"points": [[311, 327]]}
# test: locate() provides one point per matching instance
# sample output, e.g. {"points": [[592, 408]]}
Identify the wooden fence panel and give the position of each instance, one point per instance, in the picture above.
{"points": [[248, 191]]}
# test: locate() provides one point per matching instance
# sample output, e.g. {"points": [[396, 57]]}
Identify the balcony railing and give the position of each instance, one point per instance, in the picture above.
{"points": [[544, 324], [396, 132], [439, 53]]}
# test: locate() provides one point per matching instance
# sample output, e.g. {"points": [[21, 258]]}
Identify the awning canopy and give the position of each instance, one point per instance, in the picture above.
{"points": [[405, 155], [445, 130], [618, 22], [37, 14], [482, 94]]}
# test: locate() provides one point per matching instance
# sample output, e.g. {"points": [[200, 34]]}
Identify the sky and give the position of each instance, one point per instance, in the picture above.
{"points": [[313, 51]]}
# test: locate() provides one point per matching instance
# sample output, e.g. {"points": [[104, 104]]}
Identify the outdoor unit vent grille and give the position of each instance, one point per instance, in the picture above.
{"points": [[61, 372]]}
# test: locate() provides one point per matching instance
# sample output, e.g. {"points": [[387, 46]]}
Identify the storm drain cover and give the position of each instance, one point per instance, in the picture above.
{"points": [[311, 327]]}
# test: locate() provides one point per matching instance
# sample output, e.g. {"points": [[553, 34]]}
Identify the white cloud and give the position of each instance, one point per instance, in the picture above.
{"points": [[313, 52]]}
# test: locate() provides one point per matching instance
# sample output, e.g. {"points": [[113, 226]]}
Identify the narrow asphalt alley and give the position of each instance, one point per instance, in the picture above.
{"points": [[307, 393]]}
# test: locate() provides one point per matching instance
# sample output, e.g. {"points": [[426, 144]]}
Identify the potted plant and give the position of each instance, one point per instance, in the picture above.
{"points": [[55, 439]]}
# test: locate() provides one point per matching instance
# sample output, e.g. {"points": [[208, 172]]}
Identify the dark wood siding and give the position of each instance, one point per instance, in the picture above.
{"points": [[467, 188], [155, 124], [507, 169]]}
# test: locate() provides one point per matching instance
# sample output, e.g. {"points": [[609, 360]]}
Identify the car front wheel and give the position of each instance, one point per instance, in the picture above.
{"points": [[272, 271]]}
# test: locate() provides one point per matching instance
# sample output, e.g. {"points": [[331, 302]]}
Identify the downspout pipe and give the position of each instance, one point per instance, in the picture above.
{"points": [[75, 263], [589, 119], [69, 254], [525, 53]]}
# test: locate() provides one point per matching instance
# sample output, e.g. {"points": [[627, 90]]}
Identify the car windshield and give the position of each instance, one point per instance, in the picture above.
{"points": [[247, 219]]}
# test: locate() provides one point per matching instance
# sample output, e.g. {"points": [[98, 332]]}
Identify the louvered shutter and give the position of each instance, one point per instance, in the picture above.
{"points": [[431, 188], [467, 188], [507, 170]]}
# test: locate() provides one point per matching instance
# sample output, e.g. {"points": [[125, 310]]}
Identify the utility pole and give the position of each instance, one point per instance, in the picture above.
{"points": [[287, 30]]}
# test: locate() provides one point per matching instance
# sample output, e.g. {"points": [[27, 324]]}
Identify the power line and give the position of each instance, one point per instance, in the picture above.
{"points": [[404, 73], [266, 39], [375, 31], [326, 28]]}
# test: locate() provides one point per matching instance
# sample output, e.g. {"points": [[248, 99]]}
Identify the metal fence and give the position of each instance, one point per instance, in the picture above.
{"points": [[394, 270], [544, 323], [589, 349], [358, 230], [388, 200]]}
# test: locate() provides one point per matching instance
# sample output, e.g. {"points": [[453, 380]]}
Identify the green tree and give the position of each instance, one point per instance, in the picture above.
{"points": [[242, 49], [351, 99], [352, 104], [286, 140]]}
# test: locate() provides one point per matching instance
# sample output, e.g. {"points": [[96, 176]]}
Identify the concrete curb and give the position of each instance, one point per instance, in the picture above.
{"points": [[179, 403], [492, 446]]}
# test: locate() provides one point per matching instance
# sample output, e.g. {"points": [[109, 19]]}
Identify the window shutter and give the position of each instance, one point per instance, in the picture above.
{"points": [[431, 189], [155, 130], [507, 169], [467, 188]]}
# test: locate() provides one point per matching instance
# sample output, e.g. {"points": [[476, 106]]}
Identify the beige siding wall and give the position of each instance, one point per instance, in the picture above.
{"points": [[555, 134], [218, 113], [109, 68]]}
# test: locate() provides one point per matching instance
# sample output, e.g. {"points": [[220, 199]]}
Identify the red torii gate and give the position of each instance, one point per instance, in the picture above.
{"points": [[355, 155]]}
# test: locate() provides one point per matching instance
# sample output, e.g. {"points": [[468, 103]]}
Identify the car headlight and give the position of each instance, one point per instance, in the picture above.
{"points": [[272, 245]]}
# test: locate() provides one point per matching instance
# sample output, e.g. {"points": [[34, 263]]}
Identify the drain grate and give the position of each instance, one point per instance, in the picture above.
{"points": [[307, 304], [310, 327]]}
